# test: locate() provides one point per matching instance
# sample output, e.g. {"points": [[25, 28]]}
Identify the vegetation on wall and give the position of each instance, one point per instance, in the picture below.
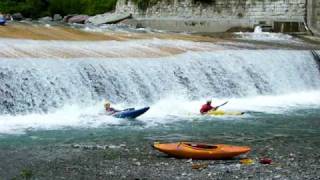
{"points": [[144, 4], [204, 1], [38, 8]]}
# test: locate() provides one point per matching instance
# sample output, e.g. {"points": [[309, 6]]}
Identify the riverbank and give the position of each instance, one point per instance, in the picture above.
{"points": [[126, 153], [53, 126], [140, 161]]}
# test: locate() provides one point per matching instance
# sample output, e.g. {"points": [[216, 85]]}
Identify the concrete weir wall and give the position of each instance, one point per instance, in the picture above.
{"points": [[214, 16], [313, 16]]}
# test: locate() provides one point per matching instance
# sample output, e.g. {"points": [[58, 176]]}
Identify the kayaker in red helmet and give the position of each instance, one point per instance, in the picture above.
{"points": [[207, 107]]}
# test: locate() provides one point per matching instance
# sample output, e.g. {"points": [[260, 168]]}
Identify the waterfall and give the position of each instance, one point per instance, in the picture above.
{"points": [[42, 85]]}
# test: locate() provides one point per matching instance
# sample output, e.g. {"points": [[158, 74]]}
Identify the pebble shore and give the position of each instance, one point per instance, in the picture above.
{"points": [[124, 160]]}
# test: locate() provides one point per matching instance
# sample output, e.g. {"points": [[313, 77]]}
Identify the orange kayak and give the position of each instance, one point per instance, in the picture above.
{"points": [[201, 150]]}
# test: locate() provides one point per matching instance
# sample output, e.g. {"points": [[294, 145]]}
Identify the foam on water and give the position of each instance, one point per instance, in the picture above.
{"points": [[165, 111], [29, 85], [70, 116], [259, 35], [52, 90]]}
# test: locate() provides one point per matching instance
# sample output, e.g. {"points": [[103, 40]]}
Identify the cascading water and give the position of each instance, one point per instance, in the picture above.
{"points": [[29, 85], [52, 92], [257, 29]]}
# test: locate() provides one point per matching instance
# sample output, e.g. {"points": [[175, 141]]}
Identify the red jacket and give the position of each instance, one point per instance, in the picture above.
{"points": [[205, 108]]}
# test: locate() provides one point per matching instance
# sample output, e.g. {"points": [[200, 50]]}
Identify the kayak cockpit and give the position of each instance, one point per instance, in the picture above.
{"points": [[201, 146]]}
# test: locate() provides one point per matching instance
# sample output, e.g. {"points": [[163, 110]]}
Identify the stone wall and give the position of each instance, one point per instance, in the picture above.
{"points": [[217, 16], [314, 15]]}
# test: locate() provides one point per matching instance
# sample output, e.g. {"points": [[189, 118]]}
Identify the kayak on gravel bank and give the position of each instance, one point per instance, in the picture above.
{"points": [[201, 150]]}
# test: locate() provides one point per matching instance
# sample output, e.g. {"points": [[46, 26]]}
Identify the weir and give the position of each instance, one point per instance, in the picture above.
{"points": [[43, 85]]}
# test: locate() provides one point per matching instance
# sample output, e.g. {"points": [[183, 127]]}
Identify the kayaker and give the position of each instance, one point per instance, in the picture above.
{"points": [[207, 107], [109, 109]]}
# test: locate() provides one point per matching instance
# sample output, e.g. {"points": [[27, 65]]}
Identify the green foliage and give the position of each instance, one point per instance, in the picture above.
{"points": [[204, 1], [38, 8], [89, 7], [144, 4], [26, 174], [29, 8]]}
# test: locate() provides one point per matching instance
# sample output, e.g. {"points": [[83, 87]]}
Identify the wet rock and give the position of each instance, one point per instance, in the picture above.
{"points": [[45, 19], [67, 17], [238, 166], [108, 18], [17, 16], [114, 147], [89, 147], [75, 145], [200, 166], [122, 145], [79, 19], [292, 155], [57, 17], [277, 177]]}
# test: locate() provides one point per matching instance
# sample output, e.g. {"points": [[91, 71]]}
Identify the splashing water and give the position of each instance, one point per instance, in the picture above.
{"points": [[54, 93]]}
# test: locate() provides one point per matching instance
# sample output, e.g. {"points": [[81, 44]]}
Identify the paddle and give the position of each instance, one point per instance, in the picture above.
{"points": [[222, 105]]}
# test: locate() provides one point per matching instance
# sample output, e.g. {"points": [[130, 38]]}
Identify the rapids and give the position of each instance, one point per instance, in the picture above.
{"points": [[58, 84]]}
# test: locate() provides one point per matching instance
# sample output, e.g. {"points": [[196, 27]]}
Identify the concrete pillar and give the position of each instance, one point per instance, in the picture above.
{"points": [[313, 15]]}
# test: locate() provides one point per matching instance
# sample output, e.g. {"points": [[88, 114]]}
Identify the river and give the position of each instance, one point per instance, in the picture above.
{"points": [[52, 94]]}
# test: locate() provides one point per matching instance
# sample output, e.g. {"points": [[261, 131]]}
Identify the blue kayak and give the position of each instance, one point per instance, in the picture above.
{"points": [[131, 113], [2, 21]]}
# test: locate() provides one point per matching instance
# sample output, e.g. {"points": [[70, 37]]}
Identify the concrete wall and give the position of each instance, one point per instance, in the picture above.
{"points": [[313, 17], [219, 16]]}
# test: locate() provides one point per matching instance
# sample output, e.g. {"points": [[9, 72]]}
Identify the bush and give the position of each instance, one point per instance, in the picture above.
{"points": [[38, 8]]}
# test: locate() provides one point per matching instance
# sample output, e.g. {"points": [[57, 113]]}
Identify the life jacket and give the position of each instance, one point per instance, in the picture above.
{"points": [[205, 108]]}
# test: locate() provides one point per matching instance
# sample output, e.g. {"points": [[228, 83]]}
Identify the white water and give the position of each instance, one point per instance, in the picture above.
{"points": [[161, 112], [32, 86], [46, 92], [259, 35]]}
